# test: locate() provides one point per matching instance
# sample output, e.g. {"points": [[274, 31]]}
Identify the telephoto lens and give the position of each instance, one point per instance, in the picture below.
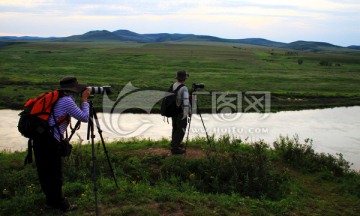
{"points": [[99, 89], [198, 85]]}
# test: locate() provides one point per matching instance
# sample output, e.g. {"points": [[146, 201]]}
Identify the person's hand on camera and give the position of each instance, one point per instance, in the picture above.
{"points": [[85, 94]]}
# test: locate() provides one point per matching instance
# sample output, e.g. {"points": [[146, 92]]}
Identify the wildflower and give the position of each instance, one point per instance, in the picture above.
{"points": [[5, 192]]}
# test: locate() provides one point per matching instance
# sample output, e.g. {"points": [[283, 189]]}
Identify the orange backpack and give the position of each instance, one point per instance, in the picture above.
{"points": [[33, 121]]}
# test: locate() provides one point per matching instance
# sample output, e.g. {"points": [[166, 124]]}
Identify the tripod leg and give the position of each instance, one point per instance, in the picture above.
{"points": [[194, 102], [103, 144], [187, 137], [92, 136], [207, 136]]}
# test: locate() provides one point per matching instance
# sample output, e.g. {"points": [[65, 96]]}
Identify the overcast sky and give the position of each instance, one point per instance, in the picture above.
{"points": [[333, 21]]}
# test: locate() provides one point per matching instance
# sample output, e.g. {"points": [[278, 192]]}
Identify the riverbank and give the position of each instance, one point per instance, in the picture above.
{"points": [[227, 178], [11, 98]]}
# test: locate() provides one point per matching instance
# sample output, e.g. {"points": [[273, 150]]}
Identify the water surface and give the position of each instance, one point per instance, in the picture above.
{"points": [[333, 131]]}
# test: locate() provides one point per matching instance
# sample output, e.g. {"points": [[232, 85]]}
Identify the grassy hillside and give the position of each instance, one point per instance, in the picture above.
{"points": [[227, 177], [27, 69]]}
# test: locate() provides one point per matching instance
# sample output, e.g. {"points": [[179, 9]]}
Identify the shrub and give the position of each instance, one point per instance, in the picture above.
{"points": [[325, 63], [303, 157], [248, 173]]}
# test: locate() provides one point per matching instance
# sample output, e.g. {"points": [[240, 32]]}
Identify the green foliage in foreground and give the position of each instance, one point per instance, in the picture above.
{"points": [[227, 177]]}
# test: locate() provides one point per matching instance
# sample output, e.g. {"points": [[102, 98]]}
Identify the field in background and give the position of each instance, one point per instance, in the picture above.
{"points": [[30, 68]]}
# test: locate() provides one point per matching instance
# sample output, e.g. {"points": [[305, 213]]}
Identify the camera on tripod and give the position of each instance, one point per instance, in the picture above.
{"points": [[99, 89], [197, 86], [197, 110]]}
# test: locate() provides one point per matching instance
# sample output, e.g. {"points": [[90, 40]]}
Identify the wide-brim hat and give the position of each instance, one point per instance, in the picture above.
{"points": [[181, 75], [71, 84]]}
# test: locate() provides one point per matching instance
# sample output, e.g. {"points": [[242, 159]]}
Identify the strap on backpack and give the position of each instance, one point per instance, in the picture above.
{"points": [[59, 122], [177, 89], [167, 119], [28, 158]]}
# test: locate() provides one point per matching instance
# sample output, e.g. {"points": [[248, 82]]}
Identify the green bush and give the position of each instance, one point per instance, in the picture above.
{"points": [[325, 63], [303, 157], [248, 173]]}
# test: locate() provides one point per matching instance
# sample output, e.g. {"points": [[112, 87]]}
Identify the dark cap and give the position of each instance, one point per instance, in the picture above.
{"points": [[182, 75], [71, 84]]}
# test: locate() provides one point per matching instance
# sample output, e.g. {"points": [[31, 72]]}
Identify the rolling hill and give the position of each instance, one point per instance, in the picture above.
{"points": [[129, 36]]}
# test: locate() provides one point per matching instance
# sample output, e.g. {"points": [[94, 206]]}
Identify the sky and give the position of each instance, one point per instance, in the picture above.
{"points": [[332, 21]]}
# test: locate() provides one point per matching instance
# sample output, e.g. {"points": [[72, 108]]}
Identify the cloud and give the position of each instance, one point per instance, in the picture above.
{"points": [[104, 7], [272, 19], [184, 7]]}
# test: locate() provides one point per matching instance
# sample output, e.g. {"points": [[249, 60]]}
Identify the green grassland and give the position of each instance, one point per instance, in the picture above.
{"points": [[227, 177], [30, 68]]}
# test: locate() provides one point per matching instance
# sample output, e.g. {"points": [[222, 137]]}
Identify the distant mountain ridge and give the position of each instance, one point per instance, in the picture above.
{"points": [[126, 35]]}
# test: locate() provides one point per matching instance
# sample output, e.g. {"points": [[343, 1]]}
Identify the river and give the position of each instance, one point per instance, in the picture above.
{"points": [[335, 130]]}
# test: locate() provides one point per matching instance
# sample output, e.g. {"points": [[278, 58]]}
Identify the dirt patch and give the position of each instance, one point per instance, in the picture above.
{"points": [[191, 153]]}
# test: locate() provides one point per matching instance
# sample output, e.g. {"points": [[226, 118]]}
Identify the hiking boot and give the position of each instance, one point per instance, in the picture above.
{"points": [[69, 207], [177, 151], [64, 206], [181, 145]]}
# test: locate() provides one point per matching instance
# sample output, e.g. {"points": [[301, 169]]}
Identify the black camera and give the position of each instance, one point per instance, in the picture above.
{"points": [[99, 89], [198, 86]]}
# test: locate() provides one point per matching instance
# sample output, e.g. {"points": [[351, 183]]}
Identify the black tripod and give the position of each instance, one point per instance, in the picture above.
{"points": [[90, 134], [194, 100]]}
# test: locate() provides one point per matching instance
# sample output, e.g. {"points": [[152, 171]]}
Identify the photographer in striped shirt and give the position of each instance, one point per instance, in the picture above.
{"points": [[46, 148]]}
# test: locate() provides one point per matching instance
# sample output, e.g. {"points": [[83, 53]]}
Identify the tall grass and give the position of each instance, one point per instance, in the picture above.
{"points": [[231, 176]]}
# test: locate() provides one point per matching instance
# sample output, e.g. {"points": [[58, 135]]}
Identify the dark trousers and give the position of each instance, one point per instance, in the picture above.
{"points": [[49, 168], [178, 130]]}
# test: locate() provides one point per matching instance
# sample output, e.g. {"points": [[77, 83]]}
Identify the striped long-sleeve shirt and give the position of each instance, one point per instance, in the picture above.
{"points": [[67, 106]]}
